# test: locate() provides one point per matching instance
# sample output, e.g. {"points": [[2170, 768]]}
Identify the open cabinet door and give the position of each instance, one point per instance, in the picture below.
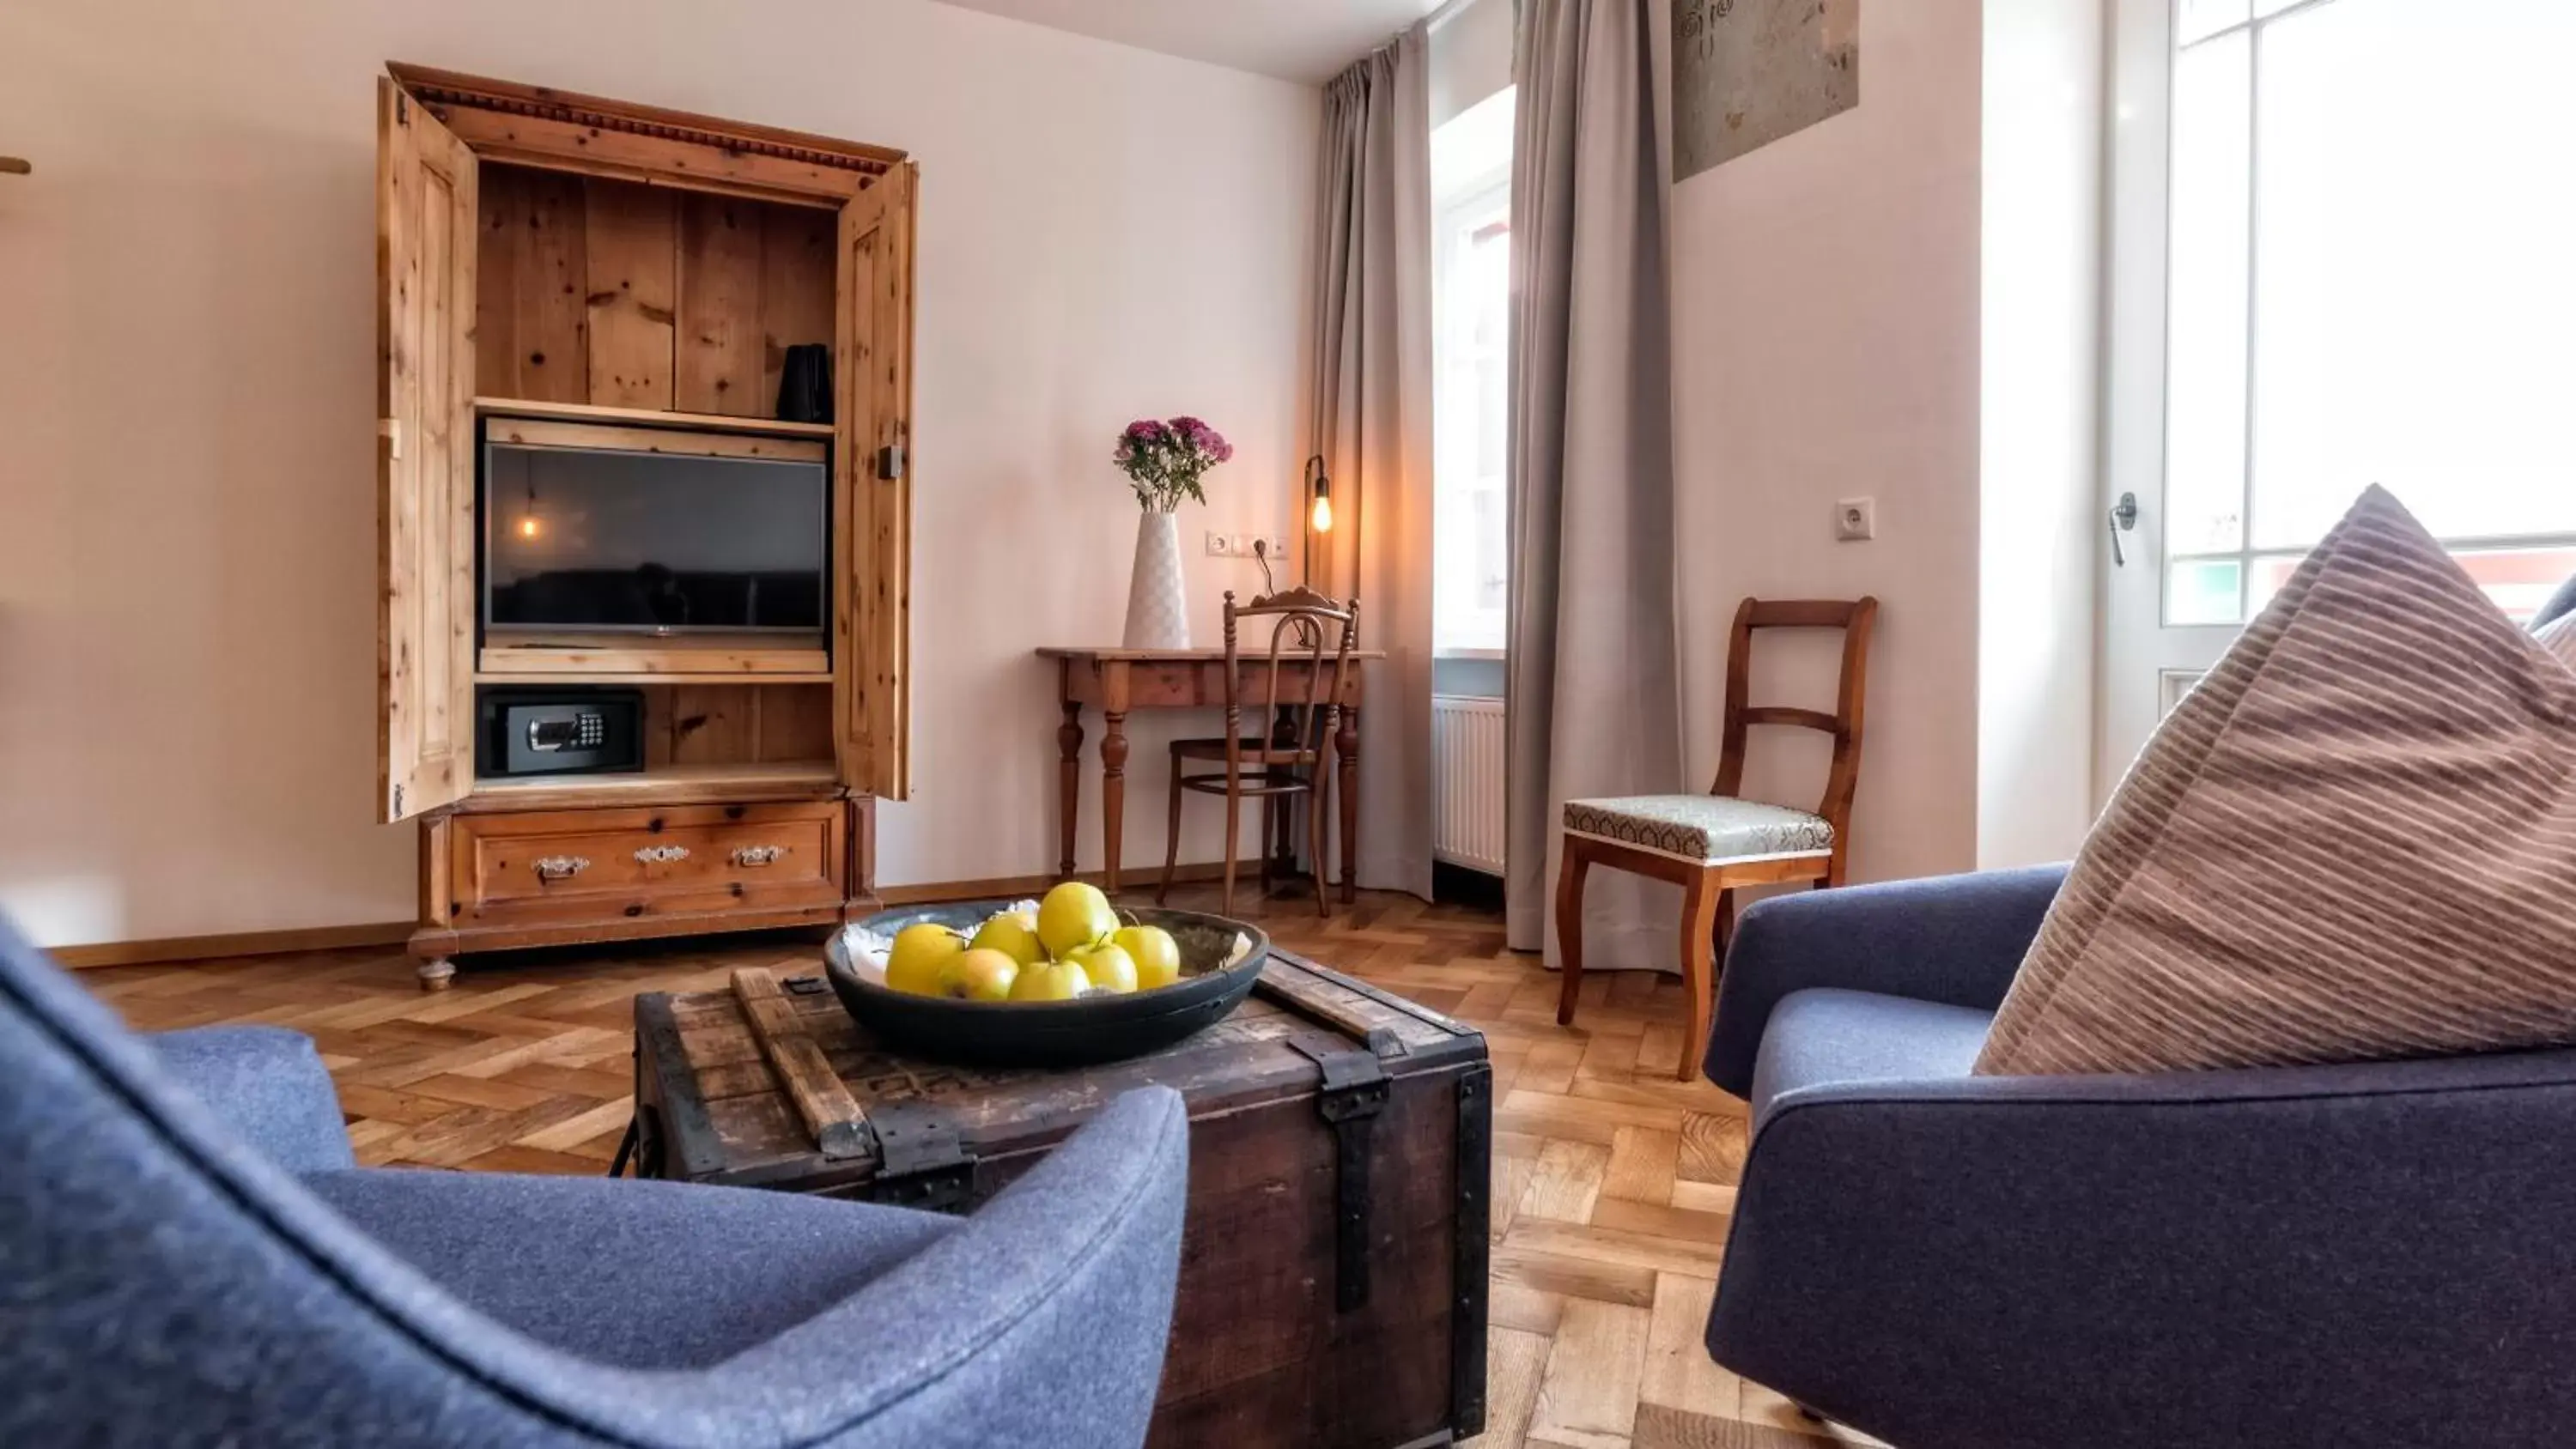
{"points": [[872, 380], [425, 247]]}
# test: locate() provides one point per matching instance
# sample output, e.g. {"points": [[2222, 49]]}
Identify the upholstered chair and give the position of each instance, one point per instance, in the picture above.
{"points": [[189, 1256], [2366, 1254]]}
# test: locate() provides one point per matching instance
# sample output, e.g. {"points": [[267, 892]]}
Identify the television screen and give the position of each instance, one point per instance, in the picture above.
{"points": [[594, 539]]}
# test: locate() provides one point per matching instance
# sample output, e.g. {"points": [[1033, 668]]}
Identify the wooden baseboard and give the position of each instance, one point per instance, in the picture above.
{"points": [[396, 933], [234, 943]]}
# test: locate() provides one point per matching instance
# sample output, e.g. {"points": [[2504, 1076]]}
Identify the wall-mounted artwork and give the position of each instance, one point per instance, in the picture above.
{"points": [[1748, 72]]}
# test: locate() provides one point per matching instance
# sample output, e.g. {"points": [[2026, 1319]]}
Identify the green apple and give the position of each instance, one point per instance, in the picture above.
{"points": [[1014, 934], [979, 974], [1072, 916], [1050, 981], [920, 950], [1157, 955], [1109, 967]]}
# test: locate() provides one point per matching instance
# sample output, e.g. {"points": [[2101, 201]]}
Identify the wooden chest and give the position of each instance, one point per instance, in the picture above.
{"points": [[1333, 1263]]}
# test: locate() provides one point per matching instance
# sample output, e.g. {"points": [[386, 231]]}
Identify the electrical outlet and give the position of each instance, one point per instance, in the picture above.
{"points": [[1219, 545], [1278, 547], [1243, 545], [1855, 519]]}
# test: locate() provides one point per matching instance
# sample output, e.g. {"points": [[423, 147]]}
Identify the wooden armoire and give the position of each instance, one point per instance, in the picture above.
{"points": [[567, 264]]}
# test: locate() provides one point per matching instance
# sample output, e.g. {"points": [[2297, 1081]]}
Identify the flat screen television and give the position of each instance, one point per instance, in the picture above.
{"points": [[666, 542]]}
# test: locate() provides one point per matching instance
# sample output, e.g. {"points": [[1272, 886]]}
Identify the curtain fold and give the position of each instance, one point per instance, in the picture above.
{"points": [[1593, 678], [1371, 405]]}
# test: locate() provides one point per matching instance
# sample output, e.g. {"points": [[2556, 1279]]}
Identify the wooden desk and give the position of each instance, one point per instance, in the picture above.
{"points": [[1120, 681]]}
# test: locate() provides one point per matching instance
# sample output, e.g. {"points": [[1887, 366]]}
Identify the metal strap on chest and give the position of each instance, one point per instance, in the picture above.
{"points": [[921, 1162], [1353, 1092]]}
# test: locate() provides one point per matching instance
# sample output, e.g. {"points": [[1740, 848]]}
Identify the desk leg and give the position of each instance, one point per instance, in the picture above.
{"points": [[1113, 793], [1346, 743], [1068, 743]]}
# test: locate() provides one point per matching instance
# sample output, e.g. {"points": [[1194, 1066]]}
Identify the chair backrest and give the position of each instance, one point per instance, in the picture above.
{"points": [[1855, 618], [1305, 628]]}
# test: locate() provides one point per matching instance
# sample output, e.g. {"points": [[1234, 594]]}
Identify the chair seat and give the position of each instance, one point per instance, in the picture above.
{"points": [[645, 1275], [1826, 1035], [1706, 829], [1255, 752]]}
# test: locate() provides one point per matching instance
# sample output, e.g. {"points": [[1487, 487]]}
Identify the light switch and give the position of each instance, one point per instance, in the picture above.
{"points": [[1855, 519]]}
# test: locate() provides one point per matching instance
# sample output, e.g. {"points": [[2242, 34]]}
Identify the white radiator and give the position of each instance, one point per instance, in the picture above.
{"points": [[1467, 781]]}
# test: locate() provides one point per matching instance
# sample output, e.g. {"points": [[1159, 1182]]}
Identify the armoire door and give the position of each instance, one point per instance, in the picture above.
{"points": [[872, 377], [425, 249]]}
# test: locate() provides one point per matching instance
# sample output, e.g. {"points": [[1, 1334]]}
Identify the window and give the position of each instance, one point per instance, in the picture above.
{"points": [[1470, 410], [2372, 279]]}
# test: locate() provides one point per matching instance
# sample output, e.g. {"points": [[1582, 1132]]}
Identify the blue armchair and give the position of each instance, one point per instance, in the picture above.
{"points": [[2372, 1254], [211, 1268]]}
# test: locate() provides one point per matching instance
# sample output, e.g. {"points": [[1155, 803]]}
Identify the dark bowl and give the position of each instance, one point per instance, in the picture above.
{"points": [[1089, 1029]]}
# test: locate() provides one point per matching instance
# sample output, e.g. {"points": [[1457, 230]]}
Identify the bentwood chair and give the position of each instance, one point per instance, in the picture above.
{"points": [[1712, 845], [190, 1255], [1308, 630]]}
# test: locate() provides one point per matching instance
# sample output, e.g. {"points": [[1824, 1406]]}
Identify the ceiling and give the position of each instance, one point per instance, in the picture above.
{"points": [[1299, 40]]}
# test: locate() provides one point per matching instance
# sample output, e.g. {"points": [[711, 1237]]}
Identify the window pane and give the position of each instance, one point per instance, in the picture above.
{"points": [[2205, 363], [2415, 294], [2266, 579], [2198, 18], [2520, 580], [1470, 407], [2202, 591]]}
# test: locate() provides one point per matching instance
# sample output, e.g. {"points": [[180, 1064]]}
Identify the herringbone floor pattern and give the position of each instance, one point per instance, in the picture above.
{"points": [[1612, 1182]]}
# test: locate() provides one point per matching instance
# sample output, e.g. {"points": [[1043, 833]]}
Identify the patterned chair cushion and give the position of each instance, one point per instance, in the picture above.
{"points": [[1702, 828]]}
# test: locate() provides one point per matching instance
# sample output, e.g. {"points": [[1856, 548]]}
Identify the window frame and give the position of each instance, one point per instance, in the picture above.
{"points": [[2247, 557]]}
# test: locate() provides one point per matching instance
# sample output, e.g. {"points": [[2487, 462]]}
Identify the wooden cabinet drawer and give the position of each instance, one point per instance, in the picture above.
{"points": [[684, 859]]}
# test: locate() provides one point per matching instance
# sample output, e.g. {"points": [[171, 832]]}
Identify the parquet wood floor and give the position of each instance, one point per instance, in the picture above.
{"points": [[1612, 1182]]}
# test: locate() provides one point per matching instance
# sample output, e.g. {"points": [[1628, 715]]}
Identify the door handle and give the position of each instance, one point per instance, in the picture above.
{"points": [[2124, 517]]}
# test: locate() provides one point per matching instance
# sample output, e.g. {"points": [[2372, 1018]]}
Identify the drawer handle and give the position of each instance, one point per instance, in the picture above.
{"points": [[561, 867], [747, 856], [661, 854]]}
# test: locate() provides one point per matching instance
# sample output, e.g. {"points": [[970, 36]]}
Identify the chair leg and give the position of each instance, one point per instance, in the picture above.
{"points": [[1233, 828], [1725, 925], [1316, 816], [1699, 927], [1269, 832], [1569, 927], [1171, 838]]}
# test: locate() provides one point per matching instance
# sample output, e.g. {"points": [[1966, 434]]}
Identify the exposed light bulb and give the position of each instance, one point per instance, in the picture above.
{"points": [[1322, 517], [528, 527]]}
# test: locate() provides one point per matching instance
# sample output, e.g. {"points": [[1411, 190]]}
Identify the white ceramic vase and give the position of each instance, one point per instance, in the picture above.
{"points": [[1158, 614]]}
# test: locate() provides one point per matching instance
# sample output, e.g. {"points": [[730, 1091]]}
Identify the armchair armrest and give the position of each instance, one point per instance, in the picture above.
{"points": [[2348, 1254], [266, 1083], [1955, 940], [1041, 1319]]}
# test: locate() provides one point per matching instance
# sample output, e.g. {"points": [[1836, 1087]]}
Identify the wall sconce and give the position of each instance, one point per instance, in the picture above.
{"points": [[1322, 489]]}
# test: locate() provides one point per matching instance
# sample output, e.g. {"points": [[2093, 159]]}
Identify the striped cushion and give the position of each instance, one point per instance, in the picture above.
{"points": [[2356, 838]]}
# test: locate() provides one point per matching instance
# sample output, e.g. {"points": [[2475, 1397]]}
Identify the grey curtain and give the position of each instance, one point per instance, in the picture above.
{"points": [[1371, 404], [1593, 679]]}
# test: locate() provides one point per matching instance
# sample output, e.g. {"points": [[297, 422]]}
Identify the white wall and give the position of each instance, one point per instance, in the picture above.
{"points": [[1471, 56], [187, 522], [2042, 531], [1826, 335]]}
